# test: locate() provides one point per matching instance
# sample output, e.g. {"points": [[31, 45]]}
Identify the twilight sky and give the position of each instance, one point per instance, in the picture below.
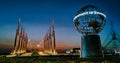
{"points": [[36, 17]]}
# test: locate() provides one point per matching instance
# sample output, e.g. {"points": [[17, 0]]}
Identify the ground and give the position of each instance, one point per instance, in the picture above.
{"points": [[56, 59]]}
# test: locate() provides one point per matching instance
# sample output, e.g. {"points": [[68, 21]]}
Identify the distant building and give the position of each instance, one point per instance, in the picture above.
{"points": [[68, 51], [74, 51]]}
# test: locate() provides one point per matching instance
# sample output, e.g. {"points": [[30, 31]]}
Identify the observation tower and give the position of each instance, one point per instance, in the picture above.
{"points": [[90, 21]]}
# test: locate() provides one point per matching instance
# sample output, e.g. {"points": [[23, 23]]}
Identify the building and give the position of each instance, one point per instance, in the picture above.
{"points": [[49, 41], [21, 40]]}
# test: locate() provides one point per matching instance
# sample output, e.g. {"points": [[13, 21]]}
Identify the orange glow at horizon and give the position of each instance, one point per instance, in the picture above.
{"points": [[59, 46]]}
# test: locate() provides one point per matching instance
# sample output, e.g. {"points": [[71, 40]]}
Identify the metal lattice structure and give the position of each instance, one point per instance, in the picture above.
{"points": [[89, 20], [114, 42]]}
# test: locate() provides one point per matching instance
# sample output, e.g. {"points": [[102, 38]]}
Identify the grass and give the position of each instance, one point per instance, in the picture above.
{"points": [[55, 59]]}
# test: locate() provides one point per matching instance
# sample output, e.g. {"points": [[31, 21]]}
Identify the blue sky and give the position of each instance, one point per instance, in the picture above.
{"points": [[37, 15]]}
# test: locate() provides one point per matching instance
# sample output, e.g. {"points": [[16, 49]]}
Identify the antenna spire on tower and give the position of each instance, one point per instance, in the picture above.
{"points": [[18, 23]]}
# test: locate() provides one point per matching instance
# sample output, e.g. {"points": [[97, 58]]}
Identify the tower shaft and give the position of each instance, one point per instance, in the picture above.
{"points": [[53, 37], [91, 47]]}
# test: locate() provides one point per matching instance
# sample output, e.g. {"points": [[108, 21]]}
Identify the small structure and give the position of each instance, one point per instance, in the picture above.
{"points": [[73, 51]]}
